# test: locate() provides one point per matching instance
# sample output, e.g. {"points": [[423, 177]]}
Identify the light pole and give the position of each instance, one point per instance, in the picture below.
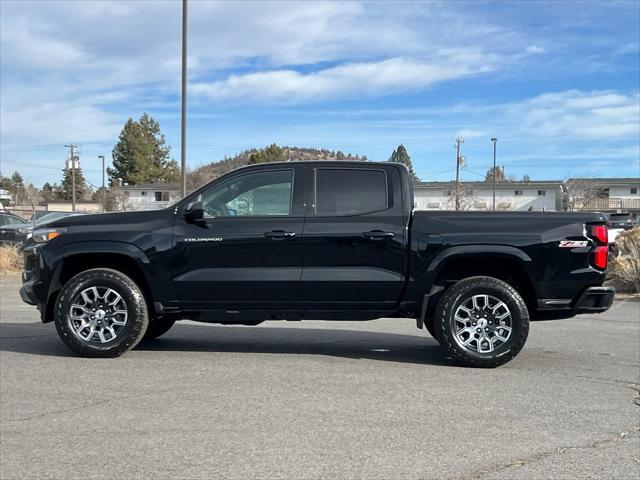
{"points": [[104, 192], [183, 146], [494, 140]]}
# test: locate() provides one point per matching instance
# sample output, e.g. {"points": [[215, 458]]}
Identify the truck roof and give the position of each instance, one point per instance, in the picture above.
{"points": [[327, 162]]}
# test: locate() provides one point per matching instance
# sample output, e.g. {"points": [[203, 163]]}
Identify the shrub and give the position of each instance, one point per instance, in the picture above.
{"points": [[10, 259], [624, 270]]}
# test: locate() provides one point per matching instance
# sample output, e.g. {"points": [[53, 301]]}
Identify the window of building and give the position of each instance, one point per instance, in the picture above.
{"points": [[542, 193], [518, 193], [335, 194], [161, 196], [634, 191], [254, 194], [143, 193], [447, 193]]}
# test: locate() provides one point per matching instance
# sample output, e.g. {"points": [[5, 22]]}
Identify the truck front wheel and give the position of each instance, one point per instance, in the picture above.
{"points": [[482, 322], [101, 313]]}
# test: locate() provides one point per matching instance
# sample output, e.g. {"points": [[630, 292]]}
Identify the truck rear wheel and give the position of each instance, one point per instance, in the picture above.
{"points": [[482, 322], [101, 313], [158, 327]]}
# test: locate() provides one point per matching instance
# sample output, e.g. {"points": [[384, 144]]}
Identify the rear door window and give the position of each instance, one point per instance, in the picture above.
{"points": [[349, 191]]}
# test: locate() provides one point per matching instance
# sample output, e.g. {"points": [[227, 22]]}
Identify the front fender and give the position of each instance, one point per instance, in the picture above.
{"points": [[53, 258]]}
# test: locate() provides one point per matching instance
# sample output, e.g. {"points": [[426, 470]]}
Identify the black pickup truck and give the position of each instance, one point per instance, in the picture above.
{"points": [[315, 240]]}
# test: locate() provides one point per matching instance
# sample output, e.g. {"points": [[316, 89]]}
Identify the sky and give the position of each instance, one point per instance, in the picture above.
{"points": [[557, 83]]}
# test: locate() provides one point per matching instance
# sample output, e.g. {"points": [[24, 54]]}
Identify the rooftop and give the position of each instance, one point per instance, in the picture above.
{"points": [[150, 186], [499, 185]]}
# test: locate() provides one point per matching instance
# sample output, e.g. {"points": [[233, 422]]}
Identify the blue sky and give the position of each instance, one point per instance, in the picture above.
{"points": [[556, 82]]}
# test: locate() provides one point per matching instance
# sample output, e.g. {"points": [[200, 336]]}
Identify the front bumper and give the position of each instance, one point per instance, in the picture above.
{"points": [[27, 294], [595, 300]]}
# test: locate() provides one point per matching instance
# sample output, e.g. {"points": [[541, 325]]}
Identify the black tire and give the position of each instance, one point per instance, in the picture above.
{"points": [[429, 325], [128, 335], [158, 327], [445, 325]]}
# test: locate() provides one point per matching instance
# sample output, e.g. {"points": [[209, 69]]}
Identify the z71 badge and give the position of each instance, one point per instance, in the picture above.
{"points": [[573, 243]]}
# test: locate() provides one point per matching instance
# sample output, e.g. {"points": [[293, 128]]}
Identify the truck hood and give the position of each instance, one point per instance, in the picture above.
{"points": [[114, 218]]}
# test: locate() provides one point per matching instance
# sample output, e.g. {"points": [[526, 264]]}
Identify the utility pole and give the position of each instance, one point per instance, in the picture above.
{"points": [[183, 146], [494, 140], [104, 192], [73, 176], [459, 140]]}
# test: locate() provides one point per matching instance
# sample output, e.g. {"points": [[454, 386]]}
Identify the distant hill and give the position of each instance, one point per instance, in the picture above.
{"points": [[272, 153]]}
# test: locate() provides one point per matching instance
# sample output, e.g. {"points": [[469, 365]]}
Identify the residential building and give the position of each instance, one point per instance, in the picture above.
{"points": [[518, 196], [604, 194], [146, 196]]}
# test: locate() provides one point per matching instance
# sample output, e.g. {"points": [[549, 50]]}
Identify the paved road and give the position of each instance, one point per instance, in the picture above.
{"points": [[320, 400]]}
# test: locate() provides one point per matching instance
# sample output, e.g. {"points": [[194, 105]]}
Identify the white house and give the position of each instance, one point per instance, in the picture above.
{"points": [[521, 196], [146, 196], [604, 194]]}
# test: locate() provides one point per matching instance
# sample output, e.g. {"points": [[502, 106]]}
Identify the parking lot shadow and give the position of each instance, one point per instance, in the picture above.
{"points": [[38, 339]]}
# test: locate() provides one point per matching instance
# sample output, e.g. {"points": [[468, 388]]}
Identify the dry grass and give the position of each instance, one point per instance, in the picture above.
{"points": [[10, 259], [624, 271]]}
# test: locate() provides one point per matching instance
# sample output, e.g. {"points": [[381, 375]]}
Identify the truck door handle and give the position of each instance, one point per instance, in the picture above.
{"points": [[378, 235], [279, 234]]}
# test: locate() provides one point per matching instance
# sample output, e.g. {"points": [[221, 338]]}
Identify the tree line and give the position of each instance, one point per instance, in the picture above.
{"points": [[142, 155]]}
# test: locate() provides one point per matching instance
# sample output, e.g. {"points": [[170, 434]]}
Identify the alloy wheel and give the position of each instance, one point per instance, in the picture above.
{"points": [[482, 323], [98, 314]]}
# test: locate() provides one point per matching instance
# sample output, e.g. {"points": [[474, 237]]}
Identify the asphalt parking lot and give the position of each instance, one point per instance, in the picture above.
{"points": [[312, 400]]}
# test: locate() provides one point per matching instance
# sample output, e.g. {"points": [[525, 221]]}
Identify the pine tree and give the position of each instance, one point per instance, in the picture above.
{"points": [[65, 190], [47, 191], [499, 173], [141, 154], [273, 153], [400, 155]]}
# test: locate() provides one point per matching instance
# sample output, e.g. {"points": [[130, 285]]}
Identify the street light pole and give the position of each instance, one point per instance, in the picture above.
{"points": [[104, 192], [183, 146], [494, 140]]}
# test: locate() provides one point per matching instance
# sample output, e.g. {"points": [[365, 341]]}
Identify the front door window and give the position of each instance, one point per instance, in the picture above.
{"points": [[253, 195]]}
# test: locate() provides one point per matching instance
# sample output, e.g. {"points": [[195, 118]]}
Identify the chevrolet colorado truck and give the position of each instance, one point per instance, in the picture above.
{"points": [[315, 240]]}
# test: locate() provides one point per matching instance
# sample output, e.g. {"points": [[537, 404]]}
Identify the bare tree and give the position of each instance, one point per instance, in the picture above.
{"points": [[467, 199], [578, 192]]}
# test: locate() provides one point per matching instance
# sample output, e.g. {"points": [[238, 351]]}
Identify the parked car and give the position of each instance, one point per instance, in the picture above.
{"points": [[315, 240], [9, 225], [17, 233], [622, 221]]}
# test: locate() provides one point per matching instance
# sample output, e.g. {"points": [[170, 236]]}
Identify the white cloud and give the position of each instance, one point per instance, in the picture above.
{"points": [[382, 77], [56, 123], [578, 114]]}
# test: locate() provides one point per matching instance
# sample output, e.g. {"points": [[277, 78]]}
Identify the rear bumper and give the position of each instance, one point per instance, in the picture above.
{"points": [[595, 300], [591, 300]]}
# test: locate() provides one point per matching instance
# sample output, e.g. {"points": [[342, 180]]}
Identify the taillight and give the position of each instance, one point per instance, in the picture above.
{"points": [[600, 255], [601, 234]]}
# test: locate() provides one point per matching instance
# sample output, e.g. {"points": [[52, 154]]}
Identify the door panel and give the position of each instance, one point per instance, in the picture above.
{"points": [[231, 263], [249, 254], [354, 261]]}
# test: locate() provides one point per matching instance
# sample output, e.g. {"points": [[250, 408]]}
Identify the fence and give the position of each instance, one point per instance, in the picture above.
{"points": [[609, 204]]}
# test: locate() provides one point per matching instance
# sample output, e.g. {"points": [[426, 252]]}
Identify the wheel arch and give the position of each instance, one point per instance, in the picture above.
{"points": [[457, 263], [129, 260]]}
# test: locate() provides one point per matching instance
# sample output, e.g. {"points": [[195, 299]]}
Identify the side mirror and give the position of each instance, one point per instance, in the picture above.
{"points": [[194, 212]]}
